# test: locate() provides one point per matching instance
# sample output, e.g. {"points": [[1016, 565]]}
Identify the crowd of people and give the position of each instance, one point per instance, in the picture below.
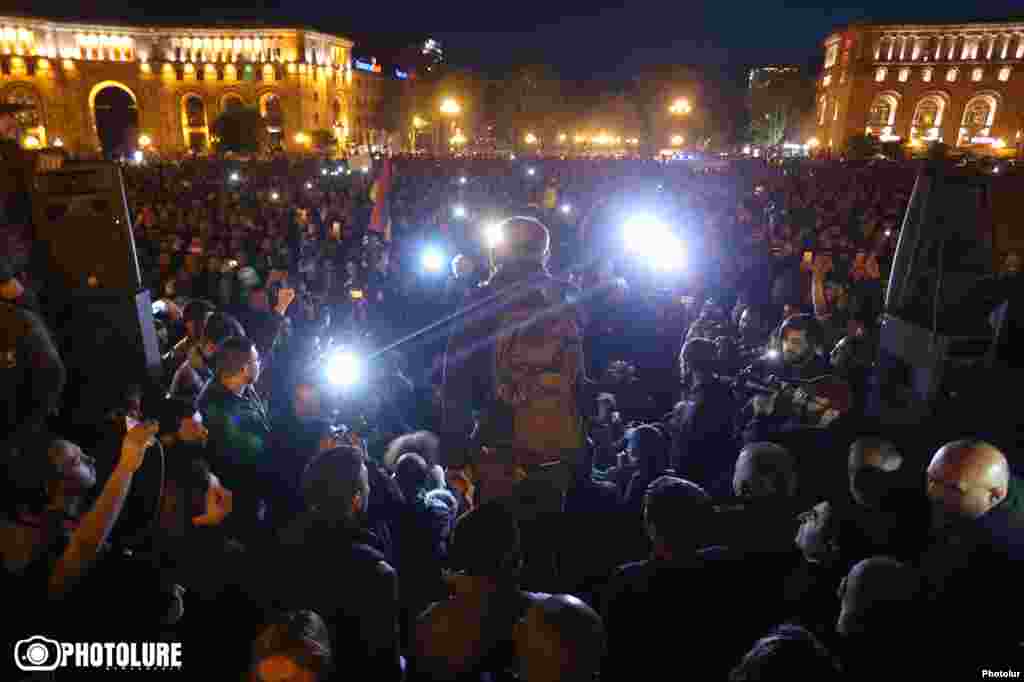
{"points": [[595, 469]]}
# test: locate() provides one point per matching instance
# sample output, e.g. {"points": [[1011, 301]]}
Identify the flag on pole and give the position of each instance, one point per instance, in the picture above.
{"points": [[380, 220]]}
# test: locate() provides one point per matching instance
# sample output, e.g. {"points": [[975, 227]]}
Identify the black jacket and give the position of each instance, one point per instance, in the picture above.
{"points": [[342, 575]]}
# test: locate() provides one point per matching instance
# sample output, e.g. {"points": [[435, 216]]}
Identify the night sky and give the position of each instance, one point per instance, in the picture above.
{"points": [[582, 40]]}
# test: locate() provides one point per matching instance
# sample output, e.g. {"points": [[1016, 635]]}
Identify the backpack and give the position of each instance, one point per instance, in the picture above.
{"points": [[538, 367]]}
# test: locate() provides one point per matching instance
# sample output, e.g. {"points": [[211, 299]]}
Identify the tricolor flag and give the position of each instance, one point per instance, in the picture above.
{"points": [[380, 220]]}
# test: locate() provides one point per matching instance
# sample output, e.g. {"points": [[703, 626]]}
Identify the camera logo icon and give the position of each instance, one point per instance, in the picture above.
{"points": [[38, 654]]}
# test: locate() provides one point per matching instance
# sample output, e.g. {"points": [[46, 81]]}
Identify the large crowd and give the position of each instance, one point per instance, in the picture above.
{"points": [[732, 509]]}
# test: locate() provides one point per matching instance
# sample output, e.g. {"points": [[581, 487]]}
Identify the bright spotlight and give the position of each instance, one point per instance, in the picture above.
{"points": [[309, 185], [138, 156], [531, 171], [323, 171], [344, 369], [234, 177], [433, 260], [459, 211], [654, 240], [566, 209], [274, 196], [494, 235], [771, 355], [462, 180], [888, 233]]}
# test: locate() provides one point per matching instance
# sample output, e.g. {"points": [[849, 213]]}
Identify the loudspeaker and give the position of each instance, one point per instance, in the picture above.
{"points": [[83, 230], [108, 342]]}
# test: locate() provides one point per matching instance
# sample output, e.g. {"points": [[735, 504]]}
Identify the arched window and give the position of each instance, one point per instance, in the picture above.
{"points": [[880, 74], [883, 111], [926, 74], [31, 116], [977, 74], [232, 102], [195, 112], [929, 112], [980, 113], [951, 75]]}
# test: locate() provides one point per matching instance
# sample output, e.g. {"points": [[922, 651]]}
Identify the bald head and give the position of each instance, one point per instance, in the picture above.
{"points": [[561, 639], [877, 596], [966, 479], [764, 470]]}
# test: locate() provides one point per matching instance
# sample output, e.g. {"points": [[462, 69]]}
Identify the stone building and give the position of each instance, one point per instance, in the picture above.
{"points": [[961, 84], [173, 81]]}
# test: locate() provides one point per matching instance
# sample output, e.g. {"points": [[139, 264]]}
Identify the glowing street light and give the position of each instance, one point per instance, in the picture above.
{"points": [[57, 142], [462, 180], [813, 142], [145, 140], [680, 106], [309, 185], [566, 209], [459, 211], [418, 122], [450, 106], [677, 140], [274, 196], [531, 172], [580, 139], [562, 137], [235, 177], [531, 138], [301, 138]]}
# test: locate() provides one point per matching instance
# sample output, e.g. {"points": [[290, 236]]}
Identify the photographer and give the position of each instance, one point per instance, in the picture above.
{"points": [[54, 551]]}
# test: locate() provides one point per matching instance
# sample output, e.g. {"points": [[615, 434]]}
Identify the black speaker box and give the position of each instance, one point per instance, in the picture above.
{"points": [[108, 342], [83, 231]]}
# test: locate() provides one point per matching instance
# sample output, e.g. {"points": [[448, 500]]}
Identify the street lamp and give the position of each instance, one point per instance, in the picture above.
{"points": [[145, 140], [450, 106], [418, 122], [677, 140], [562, 137], [680, 106], [813, 142], [531, 138]]}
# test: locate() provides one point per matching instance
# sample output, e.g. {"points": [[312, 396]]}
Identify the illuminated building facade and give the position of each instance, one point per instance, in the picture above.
{"points": [[178, 81], [961, 84], [379, 94]]}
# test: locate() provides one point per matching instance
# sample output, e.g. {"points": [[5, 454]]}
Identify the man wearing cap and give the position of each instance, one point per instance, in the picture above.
{"points": [[516, 359]]}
